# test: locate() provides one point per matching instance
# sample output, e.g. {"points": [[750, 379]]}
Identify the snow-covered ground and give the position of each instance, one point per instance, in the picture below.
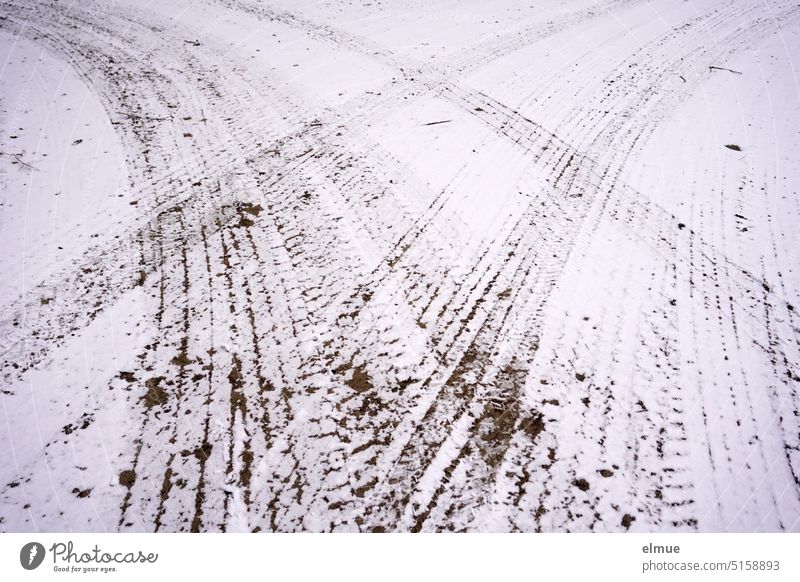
{"points": [[401, 265]]}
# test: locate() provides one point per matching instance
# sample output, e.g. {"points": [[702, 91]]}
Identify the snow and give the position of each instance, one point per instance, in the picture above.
{"points": [[73, 190], [400, 266]]}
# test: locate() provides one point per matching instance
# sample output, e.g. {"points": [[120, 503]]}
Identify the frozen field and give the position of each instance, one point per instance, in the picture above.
{"points": [[400, 266]]}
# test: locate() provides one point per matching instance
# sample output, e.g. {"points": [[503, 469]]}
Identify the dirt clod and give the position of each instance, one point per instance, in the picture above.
{"points": [[155, 395], [203, 451], [127, 478], [250, 208], [127, 376], [359, 381], [532, 425], [581, 484], [181, 360]]}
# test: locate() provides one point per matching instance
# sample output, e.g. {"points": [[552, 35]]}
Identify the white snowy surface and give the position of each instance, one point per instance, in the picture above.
{"points": [[399, 266], [74, 186]]}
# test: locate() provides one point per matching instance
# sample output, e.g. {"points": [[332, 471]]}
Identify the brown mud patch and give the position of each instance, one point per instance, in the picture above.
{"points": [[127, 478], [155, 395], [359, 381]]}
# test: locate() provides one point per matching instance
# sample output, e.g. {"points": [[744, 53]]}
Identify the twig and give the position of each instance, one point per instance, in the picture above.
{"points": [[712, 67], [19, 160], [437, 122]]}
